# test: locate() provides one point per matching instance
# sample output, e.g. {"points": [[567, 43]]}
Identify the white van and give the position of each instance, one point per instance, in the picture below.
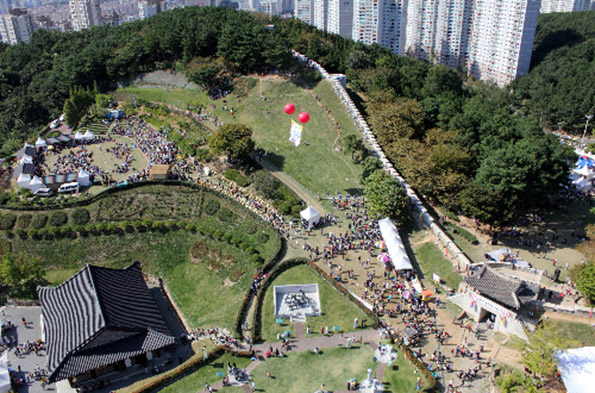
{"points": [[68, 187], [43, 192]]}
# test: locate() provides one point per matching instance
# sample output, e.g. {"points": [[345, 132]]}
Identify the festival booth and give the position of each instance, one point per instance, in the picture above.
{"points": [[577, 368], [394, 244], [4, 374], [23, 180], [310, 216], [89, 136], [35, 184], [40, 143], [83, 178], [79, 136], [585, 171], [25, 160], [582, 184]]}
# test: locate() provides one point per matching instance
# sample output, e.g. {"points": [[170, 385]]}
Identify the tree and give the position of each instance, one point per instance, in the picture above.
{"points": [[353, 143], [584, 277], [234, 140], [77, 105], [21, 275], [385, 196], [370, 165]]}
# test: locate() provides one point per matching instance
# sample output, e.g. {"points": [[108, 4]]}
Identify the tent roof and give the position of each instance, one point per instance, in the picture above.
{"points": [[584, 171], [24, 177], [309, 213], [4, 373], [89, 134], [36, 180], [577, 367], [40, 141], [394, 244], [78, 135], [83, 173]]}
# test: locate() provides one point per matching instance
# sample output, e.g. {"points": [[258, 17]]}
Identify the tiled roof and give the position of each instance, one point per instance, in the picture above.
{"points": [[96, 307], [502, 289]]}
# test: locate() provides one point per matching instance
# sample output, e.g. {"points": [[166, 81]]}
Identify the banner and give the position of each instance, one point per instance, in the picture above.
{"points": [[296, 133]]}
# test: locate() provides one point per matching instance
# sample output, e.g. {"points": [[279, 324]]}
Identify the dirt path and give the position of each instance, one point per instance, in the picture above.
{"points": [[296, 187]]}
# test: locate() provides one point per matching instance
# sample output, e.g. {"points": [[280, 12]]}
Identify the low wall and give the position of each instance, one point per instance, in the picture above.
{"points": [[370, 141]]}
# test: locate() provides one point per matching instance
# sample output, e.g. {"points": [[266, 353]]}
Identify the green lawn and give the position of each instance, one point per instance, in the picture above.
{"points": [[304, 372], [431, 261], [195, 382], [180, 98], [337, 310], [401, 375], [581, 332]]}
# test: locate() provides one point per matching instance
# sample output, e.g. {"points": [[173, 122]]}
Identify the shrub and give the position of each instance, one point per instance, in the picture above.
{"points": [[7, 221], [24, 220], [39, 221], [227, 237], [33, 233], [199, 250], [450, 214], [251, 229], [190, 227], [111, 227], [218, 234], [266, 185], [464, 233], [20, 233], [101, 227], [57, 219], [80, 216], [256, 259], [211, 207], [225, 215], [90, 228], [262, 238], [157, 225], [237, 177]]}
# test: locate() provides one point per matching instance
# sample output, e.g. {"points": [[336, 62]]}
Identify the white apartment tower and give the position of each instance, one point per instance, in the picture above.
{"points": [[84, 14], [340, 17], [304, 10], [501, 39], [16, 26], [380, 22], [321, 14], [148, 8], [548, 6]]}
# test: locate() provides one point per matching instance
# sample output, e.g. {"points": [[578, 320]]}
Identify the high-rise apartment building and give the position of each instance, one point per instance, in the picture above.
{"points": [[84, 14], [304, 11], [380, 22], [501, 39], [548, 6], [340, 17], [320, 14], [148, 8], [16, 26], [366, 14]]}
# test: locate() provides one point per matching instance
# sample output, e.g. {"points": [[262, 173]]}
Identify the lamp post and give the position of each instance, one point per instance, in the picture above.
{"points": [[589, 117]]}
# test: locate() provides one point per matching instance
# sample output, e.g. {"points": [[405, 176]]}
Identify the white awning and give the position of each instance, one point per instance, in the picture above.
{"points": [[577, 367], [310, 215], [394, 244], [89, 135], [78, 136]]}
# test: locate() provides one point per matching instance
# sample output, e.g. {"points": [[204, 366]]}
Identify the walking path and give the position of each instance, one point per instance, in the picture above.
{"points": [[368, 337]]}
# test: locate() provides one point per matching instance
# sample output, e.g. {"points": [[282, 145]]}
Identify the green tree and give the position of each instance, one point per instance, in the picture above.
{"points": [[22, 275], [353, 144], [370, 165], [584, 277], [385, 196], [77, 105], [234, 140]]}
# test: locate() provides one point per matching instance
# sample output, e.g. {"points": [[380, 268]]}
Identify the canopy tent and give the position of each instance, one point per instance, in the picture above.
{"points": [[585, 161], [35, 184], [83, 178], [23, 180], [310, 215], [78, 136], [577, 367], [40, 143], [394, 244], [4, 374], [584, 171], [26, 160], [88, 135], [582, 184]]}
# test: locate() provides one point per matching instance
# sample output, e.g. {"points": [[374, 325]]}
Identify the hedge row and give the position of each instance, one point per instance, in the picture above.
{"points": [[463, 232], [192, 364], [237, 177]]}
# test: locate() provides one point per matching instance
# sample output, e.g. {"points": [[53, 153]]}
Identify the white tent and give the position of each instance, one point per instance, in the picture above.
{"points": [[40, 143], [310, 215], [394, 244], [577, 367], [584, 171], [25, 159], [23, 180], [582, 184], [83, 178], [4, 373], [35, 184], [88, 135], [78, 136]]}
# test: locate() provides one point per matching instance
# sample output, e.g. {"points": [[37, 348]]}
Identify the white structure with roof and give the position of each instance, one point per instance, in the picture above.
{"points": [[83, 178], [35, 184], [88, 135], [23, 180], [394, 244], [40, 143], [311, 216], [577, 367], [78, 136], [25, 159]]}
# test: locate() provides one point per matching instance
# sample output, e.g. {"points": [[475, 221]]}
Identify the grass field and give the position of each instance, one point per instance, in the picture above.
{"points": [[195, 382], [207, 284], [271, 128], [581, 332], [107, 161], [401, 375], [302, 372], [337, 310], [431, 260]]}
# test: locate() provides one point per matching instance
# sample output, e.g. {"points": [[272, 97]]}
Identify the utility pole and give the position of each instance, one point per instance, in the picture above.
{"points": [[589, 117]]}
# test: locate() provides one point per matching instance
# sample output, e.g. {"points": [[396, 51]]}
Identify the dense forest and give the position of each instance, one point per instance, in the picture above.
{"points": [[560, 83], [461, 143]]}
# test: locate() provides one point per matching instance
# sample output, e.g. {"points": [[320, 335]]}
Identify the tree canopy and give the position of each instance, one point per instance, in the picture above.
{"points": [[234, 140], [385, 196]]}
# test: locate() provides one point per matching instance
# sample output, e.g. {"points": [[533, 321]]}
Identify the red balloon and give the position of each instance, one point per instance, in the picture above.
{"points": [[289, 109], [304, 117]]}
